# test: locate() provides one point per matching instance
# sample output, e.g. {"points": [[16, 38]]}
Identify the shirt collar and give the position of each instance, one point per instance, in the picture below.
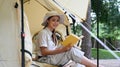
{"points": [[49, 32]]}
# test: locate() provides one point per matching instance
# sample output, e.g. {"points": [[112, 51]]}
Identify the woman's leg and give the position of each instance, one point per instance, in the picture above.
{"points": [[87, 62], [78, 56]]}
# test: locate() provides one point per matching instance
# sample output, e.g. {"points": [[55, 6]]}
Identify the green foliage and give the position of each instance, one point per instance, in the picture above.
{"points": [[103, 54], [107, 14], [76, 29], [101, 10]]}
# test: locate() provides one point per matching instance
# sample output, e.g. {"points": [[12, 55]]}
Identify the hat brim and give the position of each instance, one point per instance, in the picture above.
{"points": [[46, 17]]}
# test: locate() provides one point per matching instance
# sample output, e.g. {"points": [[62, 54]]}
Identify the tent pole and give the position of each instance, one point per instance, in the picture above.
{"points": [[22, 35]]}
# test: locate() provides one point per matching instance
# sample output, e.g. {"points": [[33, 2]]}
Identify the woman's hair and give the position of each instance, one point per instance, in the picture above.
{"points": [[47, 22], [54, 37]]}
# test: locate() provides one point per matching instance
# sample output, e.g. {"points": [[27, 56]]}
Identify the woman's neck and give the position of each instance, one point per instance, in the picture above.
{"points": [[51, 29]]}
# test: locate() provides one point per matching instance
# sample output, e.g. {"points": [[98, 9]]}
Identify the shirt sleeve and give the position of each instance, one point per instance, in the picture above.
{"points": [[42, 39]]}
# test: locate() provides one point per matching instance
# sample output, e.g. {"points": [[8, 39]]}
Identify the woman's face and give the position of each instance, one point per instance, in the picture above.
{"points": [[53, 22]]}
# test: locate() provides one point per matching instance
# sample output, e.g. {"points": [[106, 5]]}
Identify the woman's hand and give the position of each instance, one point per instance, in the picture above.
{"points": [[67, 48]]}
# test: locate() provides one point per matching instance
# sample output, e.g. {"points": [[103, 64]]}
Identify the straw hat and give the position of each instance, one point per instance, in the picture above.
{"points": [[52, 13]]}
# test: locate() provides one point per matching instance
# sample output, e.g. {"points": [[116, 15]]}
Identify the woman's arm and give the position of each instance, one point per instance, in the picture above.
{"points": [[46, 51]]}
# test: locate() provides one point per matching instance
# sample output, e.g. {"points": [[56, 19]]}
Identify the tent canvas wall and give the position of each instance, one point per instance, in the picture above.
{"points": [[9, 35]]}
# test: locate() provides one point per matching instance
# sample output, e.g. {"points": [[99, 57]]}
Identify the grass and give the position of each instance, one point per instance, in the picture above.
{"points": [[103, 54]]}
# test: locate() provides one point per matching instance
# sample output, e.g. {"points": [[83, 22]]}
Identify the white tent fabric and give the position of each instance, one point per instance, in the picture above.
{"points": [[28, 43], [10, 35], [77, 7]]}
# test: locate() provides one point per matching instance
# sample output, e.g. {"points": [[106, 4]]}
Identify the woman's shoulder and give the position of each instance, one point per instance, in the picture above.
{"points": [[43, 31]]}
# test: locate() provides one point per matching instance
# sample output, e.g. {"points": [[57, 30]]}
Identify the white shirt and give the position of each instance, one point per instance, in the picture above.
{"points": [[45, 40]]}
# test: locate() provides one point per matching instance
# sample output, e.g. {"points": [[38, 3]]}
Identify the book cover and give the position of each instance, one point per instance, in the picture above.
{"points": [[70, 39]]}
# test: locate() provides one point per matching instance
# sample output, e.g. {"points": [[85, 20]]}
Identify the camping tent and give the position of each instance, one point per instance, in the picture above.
{"points": [[10, 26]]}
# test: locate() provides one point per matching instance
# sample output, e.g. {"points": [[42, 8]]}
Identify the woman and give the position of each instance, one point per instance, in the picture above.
{"points": [[49, 52]]}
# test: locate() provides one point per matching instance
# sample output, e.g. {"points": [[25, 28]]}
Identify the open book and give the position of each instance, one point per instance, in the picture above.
{"points": [[71, 39]]}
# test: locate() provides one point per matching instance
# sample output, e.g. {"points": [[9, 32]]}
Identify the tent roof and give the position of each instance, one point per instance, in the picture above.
{"points": [[77, 7]]}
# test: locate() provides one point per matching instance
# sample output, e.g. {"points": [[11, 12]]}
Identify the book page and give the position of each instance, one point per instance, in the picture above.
{"points": [[70, 40]]}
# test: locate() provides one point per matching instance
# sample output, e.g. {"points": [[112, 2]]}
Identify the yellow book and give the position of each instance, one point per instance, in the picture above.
{"points": [[70, 39]]}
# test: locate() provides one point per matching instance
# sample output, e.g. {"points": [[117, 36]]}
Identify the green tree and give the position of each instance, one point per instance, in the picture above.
{"points": [[86, 44], [107, 14]]}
